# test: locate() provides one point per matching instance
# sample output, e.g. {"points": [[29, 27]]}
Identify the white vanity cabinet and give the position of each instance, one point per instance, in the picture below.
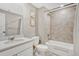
{"points": [[26, 52], [24, 49]]}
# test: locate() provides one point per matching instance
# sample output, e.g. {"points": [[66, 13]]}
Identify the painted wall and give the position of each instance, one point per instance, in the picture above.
{"points": [[13, 7], [43, 25], [76, 32], [26, 29], [24, 10], [62, 24]]}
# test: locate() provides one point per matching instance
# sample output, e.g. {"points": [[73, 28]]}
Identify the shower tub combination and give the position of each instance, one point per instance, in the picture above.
{"points": [[57, 48]]}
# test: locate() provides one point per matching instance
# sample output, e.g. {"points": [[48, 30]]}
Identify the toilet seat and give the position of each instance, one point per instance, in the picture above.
{"points": [[41, 47]]}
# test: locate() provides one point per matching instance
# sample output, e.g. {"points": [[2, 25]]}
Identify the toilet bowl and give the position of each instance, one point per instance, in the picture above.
{"points": [[40, 49]]}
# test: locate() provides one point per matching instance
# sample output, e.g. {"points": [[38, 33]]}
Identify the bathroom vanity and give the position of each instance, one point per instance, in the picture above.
{"points": [[10, 25], [17, 47]]}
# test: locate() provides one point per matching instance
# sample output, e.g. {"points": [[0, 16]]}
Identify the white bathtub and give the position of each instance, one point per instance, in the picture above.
{"points": [[60, 48]]}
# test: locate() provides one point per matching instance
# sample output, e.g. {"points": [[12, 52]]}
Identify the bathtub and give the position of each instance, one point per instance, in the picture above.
{"points": [[60, 48]]}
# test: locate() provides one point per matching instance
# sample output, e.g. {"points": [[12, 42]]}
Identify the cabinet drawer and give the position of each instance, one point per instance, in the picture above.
{"points": [[27, 52], [16, 50]]}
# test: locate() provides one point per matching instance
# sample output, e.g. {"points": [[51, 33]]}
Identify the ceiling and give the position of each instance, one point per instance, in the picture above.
{"points": [[48, 5]]}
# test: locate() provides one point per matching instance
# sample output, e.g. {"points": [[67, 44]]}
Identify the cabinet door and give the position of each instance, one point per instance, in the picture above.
{"points": [[27, 52]]}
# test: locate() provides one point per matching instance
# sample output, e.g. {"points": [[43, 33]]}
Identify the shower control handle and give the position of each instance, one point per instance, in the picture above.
{"points": [[48, 35]]}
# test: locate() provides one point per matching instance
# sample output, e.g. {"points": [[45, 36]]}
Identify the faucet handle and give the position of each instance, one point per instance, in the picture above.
{"points": [[4, 32]]}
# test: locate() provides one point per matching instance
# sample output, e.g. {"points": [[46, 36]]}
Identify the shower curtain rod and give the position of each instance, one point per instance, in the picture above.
{"points": [[58, 8]]}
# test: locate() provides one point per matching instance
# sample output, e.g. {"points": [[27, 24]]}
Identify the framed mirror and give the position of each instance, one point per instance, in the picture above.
{"points": [[13, 23], [10, 23]]}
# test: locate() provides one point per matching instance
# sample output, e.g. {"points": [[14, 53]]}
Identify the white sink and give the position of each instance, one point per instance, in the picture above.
{"points": [[6, 44]]}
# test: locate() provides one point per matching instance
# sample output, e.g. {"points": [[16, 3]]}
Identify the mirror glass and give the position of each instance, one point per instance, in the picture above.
{"points": [[12, 24], [2, 24], [9, 24]]}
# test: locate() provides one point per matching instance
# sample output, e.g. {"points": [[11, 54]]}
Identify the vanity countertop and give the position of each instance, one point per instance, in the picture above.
{"points": [[6, 44]]}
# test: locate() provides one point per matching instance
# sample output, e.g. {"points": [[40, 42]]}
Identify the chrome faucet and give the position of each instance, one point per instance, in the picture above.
{"points": [[11, 38]]}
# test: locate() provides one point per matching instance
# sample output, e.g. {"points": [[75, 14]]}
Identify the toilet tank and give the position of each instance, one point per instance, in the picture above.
{"points": [[36, 40]]}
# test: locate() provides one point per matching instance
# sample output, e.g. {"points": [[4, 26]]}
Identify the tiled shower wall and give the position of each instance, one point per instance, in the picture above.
{"points": [[62, 24]]}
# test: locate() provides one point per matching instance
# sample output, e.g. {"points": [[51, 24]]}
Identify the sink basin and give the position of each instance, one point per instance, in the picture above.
{"points": [[12, 41]]}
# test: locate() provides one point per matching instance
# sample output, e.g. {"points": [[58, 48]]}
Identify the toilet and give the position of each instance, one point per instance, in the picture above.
{"points": [[39, 49]]}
